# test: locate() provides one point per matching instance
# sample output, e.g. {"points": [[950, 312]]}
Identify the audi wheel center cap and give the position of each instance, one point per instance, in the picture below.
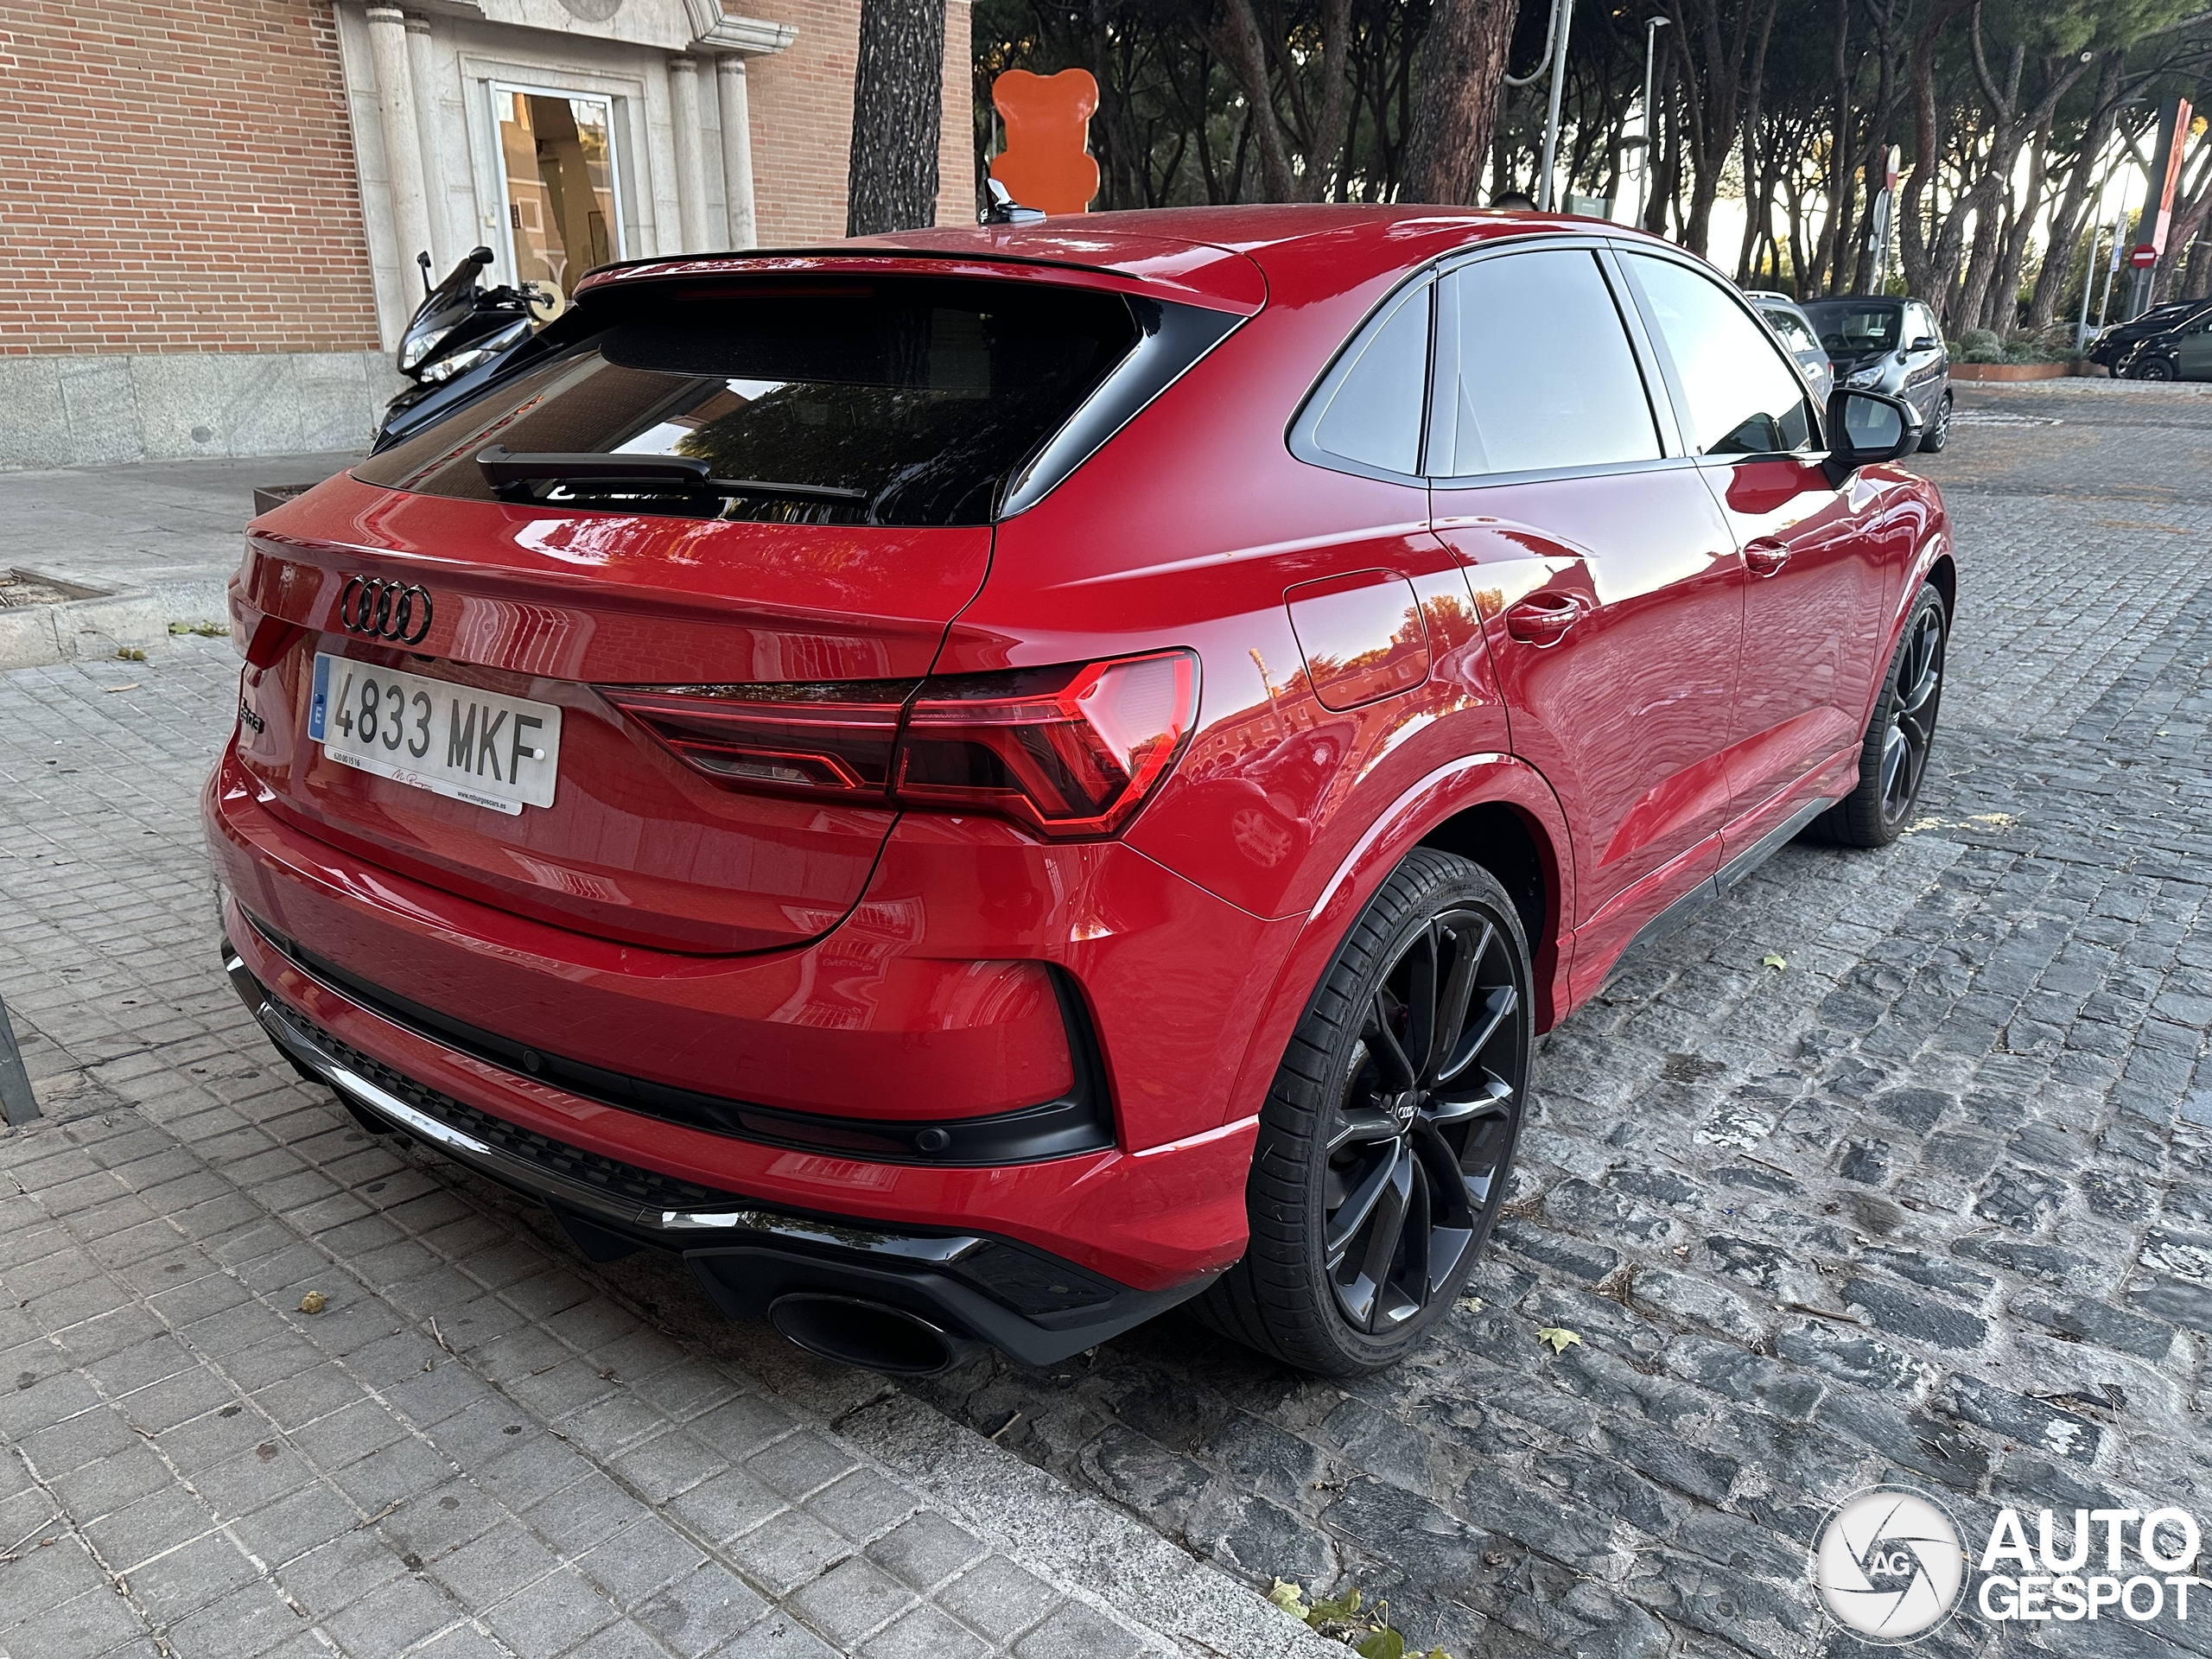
{"points": [[1889, 1564]]}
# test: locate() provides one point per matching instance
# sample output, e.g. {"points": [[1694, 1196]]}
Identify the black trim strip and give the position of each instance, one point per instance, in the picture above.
{"points": [[645, 1207], [1079, 1121]]}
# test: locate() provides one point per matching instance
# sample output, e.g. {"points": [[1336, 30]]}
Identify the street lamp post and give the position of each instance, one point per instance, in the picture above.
{"points": [[1563, 22], [1651, 28]]}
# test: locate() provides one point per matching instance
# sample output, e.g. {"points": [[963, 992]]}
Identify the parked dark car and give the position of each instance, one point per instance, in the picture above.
{"points": [[1879, 344], [2113, 346], [980, 783], [2183, 351], [1796, 331]]}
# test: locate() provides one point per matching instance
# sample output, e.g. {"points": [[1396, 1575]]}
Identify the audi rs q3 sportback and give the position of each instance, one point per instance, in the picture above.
{"points": [[982, 784]]}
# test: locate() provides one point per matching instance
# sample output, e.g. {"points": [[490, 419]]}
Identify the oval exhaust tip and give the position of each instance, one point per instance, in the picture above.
{"points": [[877, 1337]]}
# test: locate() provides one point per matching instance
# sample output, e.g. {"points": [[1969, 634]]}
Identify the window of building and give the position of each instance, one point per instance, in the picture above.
{"points": [[556, 162]]}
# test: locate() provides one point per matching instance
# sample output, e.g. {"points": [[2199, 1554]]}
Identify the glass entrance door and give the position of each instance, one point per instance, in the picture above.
{"points": [[556, 160]]}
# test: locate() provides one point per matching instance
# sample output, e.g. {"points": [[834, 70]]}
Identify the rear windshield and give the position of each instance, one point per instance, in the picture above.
{"points": [[1854, 327], [882, 401]]}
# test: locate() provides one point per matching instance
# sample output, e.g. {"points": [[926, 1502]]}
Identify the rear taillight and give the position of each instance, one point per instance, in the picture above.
{"points": [[834, 739], [1069, 753], [1065, 752]]}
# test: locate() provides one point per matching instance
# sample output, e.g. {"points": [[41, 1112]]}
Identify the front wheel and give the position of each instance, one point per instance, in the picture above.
{"points": [[1939, 430], [1387, 1138], [1893, 758], [2152, 368]]}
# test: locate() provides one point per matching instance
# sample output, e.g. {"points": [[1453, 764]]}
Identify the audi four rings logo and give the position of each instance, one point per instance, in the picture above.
{"points": [[399, 612]]}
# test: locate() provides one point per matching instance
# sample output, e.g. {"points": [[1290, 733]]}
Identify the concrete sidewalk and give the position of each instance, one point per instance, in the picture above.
{"points": [[156, 541]]}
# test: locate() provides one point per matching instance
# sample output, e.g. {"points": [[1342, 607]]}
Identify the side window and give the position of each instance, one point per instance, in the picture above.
{"points": [[1535, 370], [1374, 414], [1793, 333], [1920, 324], [1743, 398]]}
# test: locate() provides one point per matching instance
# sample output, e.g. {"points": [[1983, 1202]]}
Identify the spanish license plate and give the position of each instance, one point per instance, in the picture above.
{"points": [[477, 747]]}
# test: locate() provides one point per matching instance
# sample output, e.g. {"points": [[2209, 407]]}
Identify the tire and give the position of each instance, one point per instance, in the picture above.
{"points": [[1425, 1142], [1893, 758], [1939, 430], [2152, 368]]}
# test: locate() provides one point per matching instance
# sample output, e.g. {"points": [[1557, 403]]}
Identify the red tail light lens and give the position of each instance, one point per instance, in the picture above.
{"points": [[1068, 753], [836, 738]]}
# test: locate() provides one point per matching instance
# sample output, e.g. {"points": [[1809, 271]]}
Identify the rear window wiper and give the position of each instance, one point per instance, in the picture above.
{"points": [[511, 475]]}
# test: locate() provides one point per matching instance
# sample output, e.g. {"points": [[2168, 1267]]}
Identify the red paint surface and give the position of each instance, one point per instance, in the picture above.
{"points": [[1609, 659]]}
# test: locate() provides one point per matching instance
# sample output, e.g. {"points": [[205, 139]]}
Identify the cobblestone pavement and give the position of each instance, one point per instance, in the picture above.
{"points": [[1930, 1203], [478, 1444]]}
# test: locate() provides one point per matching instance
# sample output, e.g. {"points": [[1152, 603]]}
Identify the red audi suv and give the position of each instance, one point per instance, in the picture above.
{"points": [[982, 784]]}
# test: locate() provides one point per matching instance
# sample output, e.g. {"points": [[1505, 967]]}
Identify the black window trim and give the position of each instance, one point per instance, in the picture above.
{"points": [[1615, 248], [1298, 435]]}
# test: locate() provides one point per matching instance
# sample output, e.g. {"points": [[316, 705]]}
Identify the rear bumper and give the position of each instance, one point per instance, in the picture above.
{"points": [[1157, 1208], [1022, 1300]]}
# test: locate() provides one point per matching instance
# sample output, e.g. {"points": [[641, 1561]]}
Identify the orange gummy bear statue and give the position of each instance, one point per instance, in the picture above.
{"points": [[1047, 119]]}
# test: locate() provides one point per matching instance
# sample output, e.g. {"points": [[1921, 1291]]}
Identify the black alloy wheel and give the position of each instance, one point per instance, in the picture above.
{"points": [[1939, 430], [2152, 368], [1913, 702], [1893, 757], [1388, 1140]]}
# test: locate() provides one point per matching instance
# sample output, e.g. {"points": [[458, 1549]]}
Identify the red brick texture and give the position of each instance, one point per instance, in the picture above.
{"points": [[178, 178], [803, 122]]}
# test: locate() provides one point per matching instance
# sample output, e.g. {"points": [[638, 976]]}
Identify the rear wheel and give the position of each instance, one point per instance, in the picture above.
{"points": [[1388, 1137], [1939, 430], [1893, 760]]}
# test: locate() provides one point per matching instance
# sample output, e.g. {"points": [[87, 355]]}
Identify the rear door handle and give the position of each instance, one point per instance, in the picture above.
{"points": [[1764, 555], [1543, 619]]}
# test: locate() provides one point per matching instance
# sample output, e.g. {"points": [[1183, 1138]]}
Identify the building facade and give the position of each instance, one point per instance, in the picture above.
{"points": [[210, 214]]}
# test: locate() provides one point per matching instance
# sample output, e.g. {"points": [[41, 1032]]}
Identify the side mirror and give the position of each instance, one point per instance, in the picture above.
{"points": [[1924, 344], [1867, 427]]}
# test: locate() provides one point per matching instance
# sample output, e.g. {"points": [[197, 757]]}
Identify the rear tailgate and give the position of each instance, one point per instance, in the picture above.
{"points": [[540, 606]]}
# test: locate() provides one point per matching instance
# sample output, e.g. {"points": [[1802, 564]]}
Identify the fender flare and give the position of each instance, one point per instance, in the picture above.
{"points": [[1934, 546], [1471, 780]]}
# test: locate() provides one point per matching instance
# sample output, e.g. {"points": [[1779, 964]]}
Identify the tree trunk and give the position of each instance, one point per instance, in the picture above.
{"points": [[898, 104], [2066, 220], [2002, 307], [1235, 39], [1921, 264], [1462, 69]]}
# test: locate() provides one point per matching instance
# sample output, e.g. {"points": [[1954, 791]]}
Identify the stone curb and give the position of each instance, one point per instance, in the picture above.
{"points": [[35, 636], [1129, 1569]]}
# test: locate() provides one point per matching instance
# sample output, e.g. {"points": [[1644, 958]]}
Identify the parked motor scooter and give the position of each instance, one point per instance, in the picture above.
{"points": [[455, 342]]}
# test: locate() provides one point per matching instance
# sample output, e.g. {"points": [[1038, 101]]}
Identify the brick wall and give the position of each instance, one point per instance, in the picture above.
{"points": [[803, 122], [178, 178], [175, 178]]}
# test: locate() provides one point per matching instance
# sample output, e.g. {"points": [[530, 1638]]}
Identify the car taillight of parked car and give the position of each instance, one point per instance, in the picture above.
{"points": [[1069, 753]]}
